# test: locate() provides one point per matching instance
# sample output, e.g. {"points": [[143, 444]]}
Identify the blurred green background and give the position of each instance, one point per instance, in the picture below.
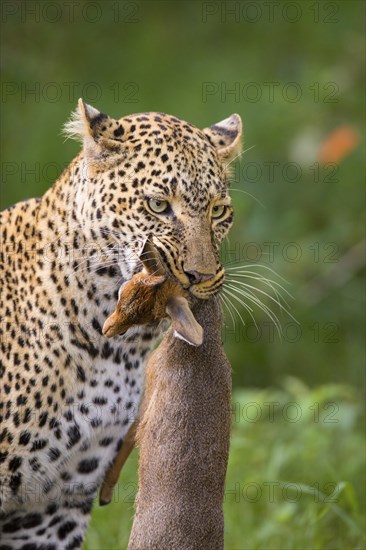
{"points": [[294, 72]]}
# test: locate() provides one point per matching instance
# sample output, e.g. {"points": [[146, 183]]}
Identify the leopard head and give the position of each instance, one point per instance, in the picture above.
{"points": [[152, 174]]}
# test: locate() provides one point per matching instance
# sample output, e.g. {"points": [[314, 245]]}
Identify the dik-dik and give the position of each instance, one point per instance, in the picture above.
{"points": [[184, 427]]}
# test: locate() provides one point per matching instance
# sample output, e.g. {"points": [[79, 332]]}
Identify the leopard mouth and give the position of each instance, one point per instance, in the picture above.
{"points": [[208, 288], [202, 290]]}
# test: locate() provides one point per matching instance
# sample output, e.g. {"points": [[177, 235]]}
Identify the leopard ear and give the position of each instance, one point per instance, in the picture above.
{"points": [[226, 137], [96, 130]]}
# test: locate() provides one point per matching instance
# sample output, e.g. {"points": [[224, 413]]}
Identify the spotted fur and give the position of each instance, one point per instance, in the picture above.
{"points": [[68, 394]]}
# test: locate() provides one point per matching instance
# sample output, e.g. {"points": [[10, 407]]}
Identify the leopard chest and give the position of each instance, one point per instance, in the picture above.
{"points": [[67, 456], [96, 417]]}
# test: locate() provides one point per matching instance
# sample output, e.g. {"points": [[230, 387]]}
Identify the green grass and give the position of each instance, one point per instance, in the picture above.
{"points": [[295, 477]]}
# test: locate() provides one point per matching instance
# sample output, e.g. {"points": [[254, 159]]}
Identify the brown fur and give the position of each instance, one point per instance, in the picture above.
{"points": [[112, 475], [143, 302], [151, 296], [147, 298], [184, 430], [183, 437]]}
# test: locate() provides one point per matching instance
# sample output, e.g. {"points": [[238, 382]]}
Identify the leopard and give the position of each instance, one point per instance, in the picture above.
{"points": [[68, 393]]}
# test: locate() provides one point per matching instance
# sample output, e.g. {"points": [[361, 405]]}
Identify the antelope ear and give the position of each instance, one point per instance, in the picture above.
{"points": [[226, 137], [154, 281], [151, 260], [94, 129], [184, 324]]}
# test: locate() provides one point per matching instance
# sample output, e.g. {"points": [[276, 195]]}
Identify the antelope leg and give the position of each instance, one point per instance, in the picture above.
{"points": [[113, 472]]}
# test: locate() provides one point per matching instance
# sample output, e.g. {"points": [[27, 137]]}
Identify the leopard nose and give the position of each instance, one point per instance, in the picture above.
{"points": [[196, 277]]}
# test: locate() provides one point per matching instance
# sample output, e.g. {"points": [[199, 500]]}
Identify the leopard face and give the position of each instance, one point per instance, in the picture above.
{"points": [[152, 174]]}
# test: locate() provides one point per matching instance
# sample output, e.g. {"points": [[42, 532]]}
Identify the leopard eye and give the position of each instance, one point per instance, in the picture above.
{"points": [[218, 211], [158, 206]]}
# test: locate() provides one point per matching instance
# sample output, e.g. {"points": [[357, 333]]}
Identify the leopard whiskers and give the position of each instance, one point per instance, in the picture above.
{"points": [[226, 303], [249, 194], [230, 264], [229, 291], [273, 285], [108, 256], [243, 267], [95, 262], [277, 288], [245, 294], [248, 273], [241, 285], [253, 289], [237, 156], [104, 256]]}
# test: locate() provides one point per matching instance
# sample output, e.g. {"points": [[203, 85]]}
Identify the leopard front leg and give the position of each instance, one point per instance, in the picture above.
{"points": [[55, 527]]}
